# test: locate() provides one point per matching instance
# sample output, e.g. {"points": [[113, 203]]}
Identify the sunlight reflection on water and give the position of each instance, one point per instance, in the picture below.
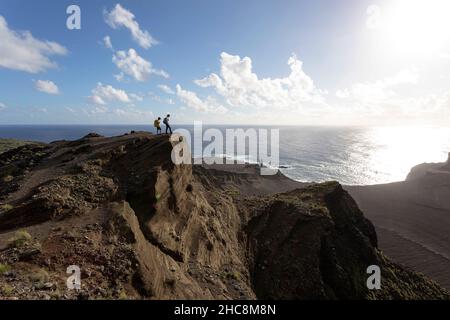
{"points": [[367, 155]]}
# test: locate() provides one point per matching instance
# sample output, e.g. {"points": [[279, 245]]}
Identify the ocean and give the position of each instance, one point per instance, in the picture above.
{"points": [[350, 155]]}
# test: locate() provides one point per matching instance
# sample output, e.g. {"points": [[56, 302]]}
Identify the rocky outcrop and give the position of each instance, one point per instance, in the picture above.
{"points": [[429, 169], [139, 226]]}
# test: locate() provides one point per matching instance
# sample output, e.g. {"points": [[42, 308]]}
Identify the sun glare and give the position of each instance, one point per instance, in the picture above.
{"points": [[416, 26]]}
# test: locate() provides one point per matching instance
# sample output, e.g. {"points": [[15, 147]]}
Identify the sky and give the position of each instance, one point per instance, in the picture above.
{"points": [[290, 62]]}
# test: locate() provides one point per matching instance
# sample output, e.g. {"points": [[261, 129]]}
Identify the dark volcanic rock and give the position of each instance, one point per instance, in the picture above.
{"points": [[92, 135], [315, 243]]}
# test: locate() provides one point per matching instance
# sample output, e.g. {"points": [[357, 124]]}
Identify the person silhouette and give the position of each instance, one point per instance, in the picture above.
{"points": [[166, 122], [157, 125]]}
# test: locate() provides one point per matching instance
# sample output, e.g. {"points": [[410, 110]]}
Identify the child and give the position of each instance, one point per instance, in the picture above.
{"points": [[157, 125]]}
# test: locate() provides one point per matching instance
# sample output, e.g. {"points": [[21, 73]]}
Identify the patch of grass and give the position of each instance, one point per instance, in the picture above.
{"points": [[40, 276], [233, 192], [8, 178], [235, 275], [4, 268], [56, 294], [318, 208], [6, 207], [123, 295], [6, 290], [20, 239], [8, 144], [306, 195]]}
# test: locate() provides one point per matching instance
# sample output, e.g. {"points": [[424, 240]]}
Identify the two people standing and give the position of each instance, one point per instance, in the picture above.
{"points": [[157, 124]]}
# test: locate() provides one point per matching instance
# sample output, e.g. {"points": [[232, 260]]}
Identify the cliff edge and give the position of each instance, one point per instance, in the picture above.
{"points": [[140, 227]]}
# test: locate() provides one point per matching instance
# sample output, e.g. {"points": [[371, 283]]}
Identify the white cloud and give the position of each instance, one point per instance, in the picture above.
{"points": [[47, 86], [103, 93], [2, 106], [132, 64], [241, 87], [98, 109], [193, 101], [107, 42], [136, 97], [21, 51], [128, 114], [166, 89], [391, 101], [342, 94], [69, 109], [121, 17], [133, 114], [119, 77], [373, 20], [97, 100], [373, 93], [157, 98]]}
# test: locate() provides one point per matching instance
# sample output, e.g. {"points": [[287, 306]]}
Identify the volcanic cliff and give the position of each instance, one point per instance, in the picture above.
{"points": [[140, 227]]}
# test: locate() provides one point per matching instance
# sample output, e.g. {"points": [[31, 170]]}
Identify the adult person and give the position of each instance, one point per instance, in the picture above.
{"points": [[166, 122], [157, 124]]}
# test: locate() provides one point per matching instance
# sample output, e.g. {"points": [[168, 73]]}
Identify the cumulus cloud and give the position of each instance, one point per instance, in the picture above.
{"points": [[136, 97], [2, 106], [210, 105], [121, 17], [21, 51], [129, 113], [103, 93], [384, 101], [133, 113], [130, 63], [157, 98], [119, 77], [373, 93], [47, 86], [107, 42], [166, 89], [96, 109], [241, 87]]}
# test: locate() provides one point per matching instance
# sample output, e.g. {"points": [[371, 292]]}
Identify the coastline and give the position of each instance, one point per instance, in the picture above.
{"points": [[407, 219]]}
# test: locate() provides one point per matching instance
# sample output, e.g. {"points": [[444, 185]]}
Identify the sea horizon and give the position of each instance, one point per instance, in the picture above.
{"points": [[352, 155]]}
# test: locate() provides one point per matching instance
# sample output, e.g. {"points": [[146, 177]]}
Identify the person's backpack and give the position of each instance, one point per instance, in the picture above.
{"points": [[165, 121], [156, 124]]}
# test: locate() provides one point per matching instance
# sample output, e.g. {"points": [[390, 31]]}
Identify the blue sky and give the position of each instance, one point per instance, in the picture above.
{"points": [[254, 62]]}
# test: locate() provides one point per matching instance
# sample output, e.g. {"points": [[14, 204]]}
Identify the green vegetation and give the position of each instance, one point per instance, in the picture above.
{"points": [[318, 208], [8, 144], [39, 277], [8, 178], [20, 239], [6, 290], [232, 191], [6, 207], [235, 275], [123, 295], [4, 268]]}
